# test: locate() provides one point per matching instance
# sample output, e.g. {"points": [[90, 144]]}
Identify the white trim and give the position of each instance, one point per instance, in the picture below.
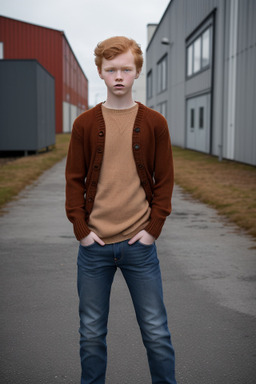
{"points": [[1, 50], [232, 61]]}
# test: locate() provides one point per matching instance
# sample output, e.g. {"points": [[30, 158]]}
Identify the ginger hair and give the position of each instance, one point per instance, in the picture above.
{"points": [[114, 46]]}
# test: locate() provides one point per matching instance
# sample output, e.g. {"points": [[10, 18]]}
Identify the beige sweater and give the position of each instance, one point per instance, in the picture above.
{"points": [[120, 208]]}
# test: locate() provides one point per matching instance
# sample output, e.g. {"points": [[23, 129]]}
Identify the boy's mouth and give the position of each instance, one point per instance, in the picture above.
{"points": [[119, 85]]}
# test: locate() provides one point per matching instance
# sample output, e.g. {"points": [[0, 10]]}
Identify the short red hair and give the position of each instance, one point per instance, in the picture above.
{"points": [[114, 46]]}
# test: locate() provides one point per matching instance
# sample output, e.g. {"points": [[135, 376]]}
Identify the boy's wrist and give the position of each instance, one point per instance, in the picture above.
{"points": [[81, 229]]}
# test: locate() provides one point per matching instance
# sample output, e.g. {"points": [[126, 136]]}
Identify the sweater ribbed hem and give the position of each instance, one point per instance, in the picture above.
{"points": [[81, 229], [154, 227]]}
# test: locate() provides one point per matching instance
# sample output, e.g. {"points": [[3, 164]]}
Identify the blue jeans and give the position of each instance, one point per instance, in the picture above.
{"points": [[140, 267]]}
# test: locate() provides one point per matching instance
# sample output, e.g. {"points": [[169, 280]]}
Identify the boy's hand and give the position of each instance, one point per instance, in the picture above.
{"points": [[90, 239], [143, 237]]}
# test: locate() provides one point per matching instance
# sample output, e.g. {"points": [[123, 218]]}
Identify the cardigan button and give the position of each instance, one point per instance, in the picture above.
{"points": [[96, 166], [101, 133], [90, 199], [94, 184], [144, 182], [136, 147], [140, 166], [137, 129], [100, 149]]}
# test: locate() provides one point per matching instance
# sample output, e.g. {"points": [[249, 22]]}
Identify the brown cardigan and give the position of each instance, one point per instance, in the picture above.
{"points": [[153, 158]]}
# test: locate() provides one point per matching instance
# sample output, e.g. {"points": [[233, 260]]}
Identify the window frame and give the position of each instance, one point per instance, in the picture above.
{"points": [[149, 84], [190, 52], [162, 108], [162, 74]]}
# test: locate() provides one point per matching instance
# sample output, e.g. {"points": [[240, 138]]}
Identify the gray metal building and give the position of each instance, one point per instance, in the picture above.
{"points": [[201, 64], [27, 106]]}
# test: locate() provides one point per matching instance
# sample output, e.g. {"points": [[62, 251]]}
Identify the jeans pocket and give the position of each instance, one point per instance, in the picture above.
{"points": [[145, 245], [88, 246]]}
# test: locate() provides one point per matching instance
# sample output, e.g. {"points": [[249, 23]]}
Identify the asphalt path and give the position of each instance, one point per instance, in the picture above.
{"points": [[209, 276]]}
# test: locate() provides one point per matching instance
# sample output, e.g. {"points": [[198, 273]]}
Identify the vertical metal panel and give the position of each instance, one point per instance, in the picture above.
{"points": [[17, 105], [245, 135], [26, 106], [232, 67], [27, 41], [45, 108], [233, 110], [172, 28]]}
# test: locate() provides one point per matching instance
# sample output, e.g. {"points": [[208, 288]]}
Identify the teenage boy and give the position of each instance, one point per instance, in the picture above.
{"points": [[119, 176]]}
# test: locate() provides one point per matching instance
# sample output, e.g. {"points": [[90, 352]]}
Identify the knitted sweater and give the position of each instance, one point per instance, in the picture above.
{"points": [[152, 153], [120, 208]]}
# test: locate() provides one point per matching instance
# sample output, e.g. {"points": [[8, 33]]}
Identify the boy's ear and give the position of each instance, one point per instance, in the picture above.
{"points": [[99, 72], [138, 74]]}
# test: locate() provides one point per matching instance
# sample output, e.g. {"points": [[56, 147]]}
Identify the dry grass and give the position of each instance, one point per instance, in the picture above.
{"points": [[227, 186], [18, 173]]}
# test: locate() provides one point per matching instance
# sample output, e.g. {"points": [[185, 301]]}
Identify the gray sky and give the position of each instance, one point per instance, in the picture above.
{"points": [[86, 22]]}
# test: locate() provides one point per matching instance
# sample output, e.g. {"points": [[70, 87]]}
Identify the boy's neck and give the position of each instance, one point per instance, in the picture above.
{"points": [[119, 102]]}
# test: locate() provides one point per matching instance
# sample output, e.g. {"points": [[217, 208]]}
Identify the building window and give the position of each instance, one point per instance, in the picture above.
{"points": [[192, 118], [190, 60], [162, 108], [1, 50], [201, 117], [149, 85], [162, 75], [206, 48], [198, 53]]}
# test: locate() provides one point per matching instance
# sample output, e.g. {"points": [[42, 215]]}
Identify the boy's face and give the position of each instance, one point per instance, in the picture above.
{"points": [[119, 74]]}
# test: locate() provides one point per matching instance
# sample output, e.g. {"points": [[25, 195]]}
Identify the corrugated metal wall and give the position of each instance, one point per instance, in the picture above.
{"points": [[170, 27], [75, 88], [27, 41], [245, 111], [230, 79], [27, 113]]}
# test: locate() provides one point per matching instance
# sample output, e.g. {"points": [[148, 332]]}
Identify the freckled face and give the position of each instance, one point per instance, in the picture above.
{"points": [[119, 73]]}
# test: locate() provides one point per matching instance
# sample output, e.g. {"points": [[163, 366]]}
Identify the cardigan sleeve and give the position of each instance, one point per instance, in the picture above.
{"points": [[76, 173], [163, 181]]}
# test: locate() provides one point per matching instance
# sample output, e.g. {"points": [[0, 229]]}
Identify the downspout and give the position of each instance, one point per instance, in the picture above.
{"points": [[212, 78], [232, 62], [223, 86]]}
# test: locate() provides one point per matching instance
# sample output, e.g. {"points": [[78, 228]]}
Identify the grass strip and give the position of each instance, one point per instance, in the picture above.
{"points": [[227, 186], [17, 174]]}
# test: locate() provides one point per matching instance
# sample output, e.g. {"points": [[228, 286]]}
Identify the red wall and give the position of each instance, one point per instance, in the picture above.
{"points": [[27, 41], [75, 84]]}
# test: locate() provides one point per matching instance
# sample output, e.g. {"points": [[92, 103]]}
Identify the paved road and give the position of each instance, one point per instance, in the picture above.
{"points": [[209, 275]]}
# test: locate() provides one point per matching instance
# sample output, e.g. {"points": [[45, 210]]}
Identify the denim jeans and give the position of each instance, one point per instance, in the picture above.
{"points": [[140, 267]]}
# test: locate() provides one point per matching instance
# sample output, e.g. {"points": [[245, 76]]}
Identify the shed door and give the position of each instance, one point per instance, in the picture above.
{"points": [[198, 123]]}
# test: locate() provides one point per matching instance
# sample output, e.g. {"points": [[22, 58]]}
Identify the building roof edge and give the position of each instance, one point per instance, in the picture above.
{"points": [[158, 24]]}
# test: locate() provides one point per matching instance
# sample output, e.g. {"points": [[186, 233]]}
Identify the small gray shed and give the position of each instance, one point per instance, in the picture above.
{"points": [[27, 106]]}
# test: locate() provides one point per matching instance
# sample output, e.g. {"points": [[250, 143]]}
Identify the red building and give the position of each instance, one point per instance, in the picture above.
{"points": [[21, 40]]}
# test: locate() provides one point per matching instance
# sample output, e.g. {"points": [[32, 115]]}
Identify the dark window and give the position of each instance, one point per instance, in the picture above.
{"points": [[192, 118], [149, 85], [162, 75], [201, 117]]}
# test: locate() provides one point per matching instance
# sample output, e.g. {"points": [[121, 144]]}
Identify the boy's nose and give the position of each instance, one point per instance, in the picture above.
{"points": [[119, 74]]}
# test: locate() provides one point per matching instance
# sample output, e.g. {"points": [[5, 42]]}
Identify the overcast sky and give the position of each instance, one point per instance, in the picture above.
{"points": [[86, 22]]}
